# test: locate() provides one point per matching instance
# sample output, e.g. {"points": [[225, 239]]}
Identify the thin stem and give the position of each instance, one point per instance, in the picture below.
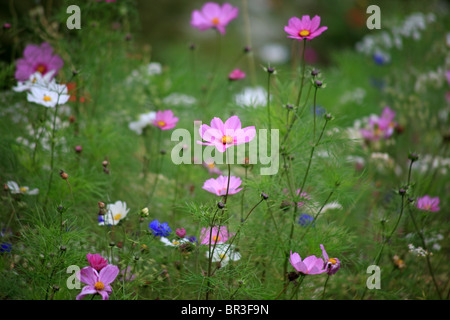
{"points": [[317, 214], [297, 287], [52, 154], [325, 287], [268, 101], [251, 60], [430, 269], [303, 74], [314, 130]]}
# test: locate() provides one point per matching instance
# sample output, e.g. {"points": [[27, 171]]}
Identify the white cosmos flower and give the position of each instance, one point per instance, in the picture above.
{"points": [[145, 120], [114, 213], [224, 253], [15, 189], [174, 242], [251, 97], [48, 96], [36, 79]]}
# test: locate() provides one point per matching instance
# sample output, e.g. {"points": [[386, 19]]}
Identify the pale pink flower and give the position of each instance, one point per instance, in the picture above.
{"points": [[97, 283], [165, 120], [236, 74], [216, 235], [310, 265], [212, 15], [219, 185], [224, 135], [211, 166], [332, 265], [304, 28], [380, 127], [427, 203]]}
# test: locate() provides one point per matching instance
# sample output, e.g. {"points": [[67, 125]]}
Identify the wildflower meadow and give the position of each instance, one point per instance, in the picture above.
{"points": [[236, 150]]}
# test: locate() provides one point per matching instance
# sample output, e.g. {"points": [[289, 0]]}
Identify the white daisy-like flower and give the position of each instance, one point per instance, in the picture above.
{"points": [[174, 242], [145, 119], [15, 189], [251, 97], [114, 213], [35, 80], [49, 96], [179, 99], [154, 68], [224, 253]]}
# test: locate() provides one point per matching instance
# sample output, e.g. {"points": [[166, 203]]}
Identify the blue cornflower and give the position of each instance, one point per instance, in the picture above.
{"points": [[160, 229], [5, 247], [319, 110], [305, 220]]}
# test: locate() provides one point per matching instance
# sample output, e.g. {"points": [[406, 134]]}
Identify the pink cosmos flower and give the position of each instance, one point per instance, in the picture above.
{"points": [[310, 265], [304, 28], [97, 283], [219, 185], [211, 166], [236, 74], [427, 203], [218, 234], [165, 120], [380, 127], [224, 135], [37, 58], [332, 265], [96, 261], [212, 15]]}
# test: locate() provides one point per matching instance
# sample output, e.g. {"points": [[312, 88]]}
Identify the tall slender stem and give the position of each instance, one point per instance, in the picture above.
{"points": [[268, 100], [303, 75]]}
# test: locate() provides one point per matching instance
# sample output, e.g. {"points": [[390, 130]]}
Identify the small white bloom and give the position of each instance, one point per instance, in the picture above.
{"points": [[154, 68], [114, 213], [174, 242], [15, 189], [224, 253], [35, 80], [251, 97], [145, 120], [179, 99]]}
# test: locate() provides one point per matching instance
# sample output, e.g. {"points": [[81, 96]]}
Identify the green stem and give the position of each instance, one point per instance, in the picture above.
{"points": [[325, 287], [268, 101], [303, 75]]}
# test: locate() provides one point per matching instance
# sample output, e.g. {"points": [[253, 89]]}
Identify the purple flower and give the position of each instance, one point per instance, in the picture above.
{"points": [[97, 283], [96, 261], [426, 203], [332, 265], [212, 15], [380, 127], [37, 58]]}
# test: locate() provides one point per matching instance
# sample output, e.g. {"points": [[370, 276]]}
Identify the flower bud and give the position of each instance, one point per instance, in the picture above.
{"points": [[221, 205], [413, 157], [63, 175], [264, 196], [144, 212], [181, 232]]}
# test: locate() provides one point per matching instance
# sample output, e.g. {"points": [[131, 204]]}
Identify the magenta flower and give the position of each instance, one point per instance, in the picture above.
{"points": [[181, 232], [216, 235], [96, 261], [380, 127], [236, 74], [224, 135], [310, 265], [212, 15], [97, 283], [304, 28], [37, 58], [427, 203], [332, 265], [219, 185], [165, 120]]}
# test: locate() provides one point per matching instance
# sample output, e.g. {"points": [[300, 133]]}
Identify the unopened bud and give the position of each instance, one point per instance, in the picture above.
{"points": [[221, 205], [264, 196], [63, 175]]}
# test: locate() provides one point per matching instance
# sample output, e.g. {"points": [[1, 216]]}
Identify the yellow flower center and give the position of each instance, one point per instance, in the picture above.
{"points": [[47, 98], [215, 21], [222, 256], [216, 238], [161, 123], [99, 285], [427, 206], [23, 189], [175, 242], [227, 140], [211, 165], [304, 33], [332, 260], [117, 216]]}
